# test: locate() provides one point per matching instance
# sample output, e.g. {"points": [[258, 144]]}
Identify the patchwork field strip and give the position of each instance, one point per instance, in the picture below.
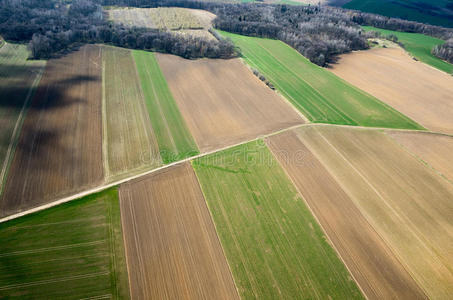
{"points": [[130, 145], [223, 103], [73, 251], [274, 246], [172, 134], [59, 151], [320, 95], [413, 88], [408, 204], [433, 149], [372, 263], [172, 248], [18, 80]]}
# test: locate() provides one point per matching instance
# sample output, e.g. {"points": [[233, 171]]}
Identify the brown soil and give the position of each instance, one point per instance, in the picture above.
{"points": [[59, 150], [369, 259], [223, 102], [417, 90], [436, 150], [172, 248], [406, 202]]}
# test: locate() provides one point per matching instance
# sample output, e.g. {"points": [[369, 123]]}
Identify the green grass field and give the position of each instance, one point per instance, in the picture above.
{"points": [[173, 136], [19, 78], [274, 246], [418, 45], [320, 95], [424, 11], [72, 251]]}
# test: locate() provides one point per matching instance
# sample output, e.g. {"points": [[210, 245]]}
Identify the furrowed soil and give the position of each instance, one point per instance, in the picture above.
{"points": [[172, 248], [369, 259], [274, 246], [406, 202], [59, 151], [413, 88], [18, 80], [320, 95], [72, 251], [172, 135], [435, 150], [130, 144], [222, 102]]}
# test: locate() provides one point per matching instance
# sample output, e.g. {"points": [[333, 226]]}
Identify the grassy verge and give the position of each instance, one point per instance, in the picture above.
{"points": [[320, 95], [71, 251], [274, 246], [173, 136], [419, 46]]}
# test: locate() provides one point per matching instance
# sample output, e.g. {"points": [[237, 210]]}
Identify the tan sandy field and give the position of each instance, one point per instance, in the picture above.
{"points": [[369, 259], [130, 145], [172, 247], [415, 89], [409, 205], [222, 101], [433, 149], [59, 150]]}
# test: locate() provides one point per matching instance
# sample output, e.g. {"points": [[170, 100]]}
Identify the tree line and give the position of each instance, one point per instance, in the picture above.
{"points": [[52, 27], [444, 51]]}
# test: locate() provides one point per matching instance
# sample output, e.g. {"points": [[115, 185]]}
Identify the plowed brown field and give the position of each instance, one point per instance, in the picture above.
{"points": [[407, 203], [368, 258], [222, 101], [59, 150], [436, 150], [417, 90], [172, 248]]}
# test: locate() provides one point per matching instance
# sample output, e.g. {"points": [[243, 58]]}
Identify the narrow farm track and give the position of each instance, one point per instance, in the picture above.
{"points": [[135, 176]]}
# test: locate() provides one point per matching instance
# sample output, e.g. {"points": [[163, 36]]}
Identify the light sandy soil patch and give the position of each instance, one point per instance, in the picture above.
{"points": [[369, 259], [172, 248], [415, 89], [130, 142], [59, 150], [407, 203], [222, 102], [435, 150]]}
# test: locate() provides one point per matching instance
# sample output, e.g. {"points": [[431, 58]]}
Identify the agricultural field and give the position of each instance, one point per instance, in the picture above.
{"points": [[72, 251], [59, 151], [433, 149], [372, 263], [130, 145], [180, 20], [173, 251], [408, 204], [435, 12], [19, 78], [274, 246], [320, 95], [223, 103], [420, 92], [419, 46], [172, 134]]}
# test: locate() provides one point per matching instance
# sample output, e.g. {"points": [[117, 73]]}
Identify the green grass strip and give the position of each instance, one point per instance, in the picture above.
{"points": [[319, 94], [274, 246], [71, 251], [419, 46], [173, 136]]}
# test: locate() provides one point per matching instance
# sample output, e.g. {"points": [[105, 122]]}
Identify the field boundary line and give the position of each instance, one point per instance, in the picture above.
{"points": [[316, 218], [133, 177], [105, 157], [16, 132]]}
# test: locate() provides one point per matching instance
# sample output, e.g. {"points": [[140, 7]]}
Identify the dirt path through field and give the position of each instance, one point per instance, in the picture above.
{"points": [[172, 248], [417, 90]]}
